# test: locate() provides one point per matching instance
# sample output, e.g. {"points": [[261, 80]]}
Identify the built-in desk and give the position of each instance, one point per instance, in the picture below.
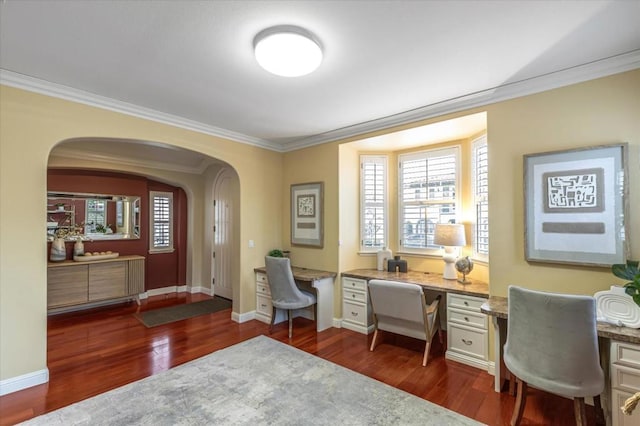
{"points": [[498, 308], [467, 327], [319, 281]]}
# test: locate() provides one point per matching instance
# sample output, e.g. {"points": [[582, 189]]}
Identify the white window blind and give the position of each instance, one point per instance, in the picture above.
{"points": [[161, 221], [373, 205], [480, 173], [428, 188]]}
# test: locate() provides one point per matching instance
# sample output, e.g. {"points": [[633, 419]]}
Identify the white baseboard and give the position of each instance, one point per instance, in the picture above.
{"points": [[28, 380], [474, 362], [240, 318], [337, 322], [491, 368]]}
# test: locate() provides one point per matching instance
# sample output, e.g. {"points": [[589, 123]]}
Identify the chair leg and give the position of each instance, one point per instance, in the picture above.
{"points": [[273, 319], [580, 411], [521, 400], [290, 322], [597, 405], [426, 354], [373, 342]]}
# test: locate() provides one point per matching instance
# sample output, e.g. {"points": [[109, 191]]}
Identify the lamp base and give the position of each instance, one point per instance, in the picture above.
{"points": [[449, 258]]}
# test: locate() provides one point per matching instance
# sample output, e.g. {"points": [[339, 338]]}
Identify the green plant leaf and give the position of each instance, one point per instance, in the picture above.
{"points": [[626, 271], [631, 289], [636, 298]]}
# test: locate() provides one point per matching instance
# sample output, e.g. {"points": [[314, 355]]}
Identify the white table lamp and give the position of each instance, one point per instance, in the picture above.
{"points": [[449, 236]]}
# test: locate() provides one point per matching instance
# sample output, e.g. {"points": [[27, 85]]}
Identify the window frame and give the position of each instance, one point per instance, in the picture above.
{"points": [[454, 150], [476, 144], [152, 221], [384, 161]]}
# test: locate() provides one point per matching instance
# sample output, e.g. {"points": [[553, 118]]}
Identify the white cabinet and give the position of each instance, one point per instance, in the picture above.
{"points": [[264, 308], [467, 330], [356, 307], [625, 381]]}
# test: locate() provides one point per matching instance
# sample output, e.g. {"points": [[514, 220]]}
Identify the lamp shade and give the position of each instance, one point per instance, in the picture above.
{"points": [[449, 235]]}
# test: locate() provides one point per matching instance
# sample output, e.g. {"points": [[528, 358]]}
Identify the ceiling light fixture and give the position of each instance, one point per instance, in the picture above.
{"points": [[287, 51]]}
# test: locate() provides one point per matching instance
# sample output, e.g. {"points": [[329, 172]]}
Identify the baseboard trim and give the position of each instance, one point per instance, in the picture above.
{"points": [[25, 381], [240, 318], [474, 362]]}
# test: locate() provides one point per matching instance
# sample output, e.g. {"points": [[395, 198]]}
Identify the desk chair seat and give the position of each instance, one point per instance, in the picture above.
{"points": [[552, 344], [401, 308], [285, 294]]}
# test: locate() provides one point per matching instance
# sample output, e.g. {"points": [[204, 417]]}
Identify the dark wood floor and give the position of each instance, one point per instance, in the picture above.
{"points": [[101, 349]]}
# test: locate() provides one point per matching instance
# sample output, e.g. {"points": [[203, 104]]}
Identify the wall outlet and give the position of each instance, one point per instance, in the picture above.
{"points": [[252, 244]]}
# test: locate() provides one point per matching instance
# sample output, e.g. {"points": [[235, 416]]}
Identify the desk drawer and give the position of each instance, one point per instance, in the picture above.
{"points": [[625, 378], [355, 312], [264, 305], [465, 302], [261, 278], [619, 418], [356, 296], [263, 289], [467, 318], [625, 354], [354, 283], [467, 341]]}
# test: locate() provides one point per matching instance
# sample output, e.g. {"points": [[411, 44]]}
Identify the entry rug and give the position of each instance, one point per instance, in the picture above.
{"points": [[170, 314], [257, 382]]}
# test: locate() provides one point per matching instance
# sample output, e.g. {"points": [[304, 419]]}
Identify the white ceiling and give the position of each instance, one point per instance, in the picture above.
{"points": [[190, 63]]}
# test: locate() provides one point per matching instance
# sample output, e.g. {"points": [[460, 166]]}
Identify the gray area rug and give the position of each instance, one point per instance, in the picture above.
{"points": [[257, 382], [170, 314]]}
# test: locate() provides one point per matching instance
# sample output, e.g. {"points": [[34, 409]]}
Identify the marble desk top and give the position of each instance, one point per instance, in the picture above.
{"points": [[498, 307], [428, 280]]}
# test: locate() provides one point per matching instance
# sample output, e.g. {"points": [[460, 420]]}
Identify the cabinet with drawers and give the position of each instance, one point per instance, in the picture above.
{"points": [[625, 381], [264, 308], [356, 307], [467, 330]]}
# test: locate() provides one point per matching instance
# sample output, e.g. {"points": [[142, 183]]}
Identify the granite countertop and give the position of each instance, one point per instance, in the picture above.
{"points": [[498, 307], [428, 280], [303, 274]]}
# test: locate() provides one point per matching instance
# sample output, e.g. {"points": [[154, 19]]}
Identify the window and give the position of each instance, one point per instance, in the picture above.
{"points": [[428, 191], [96, 218], [373, 204], [480, 173], [161, 221]]}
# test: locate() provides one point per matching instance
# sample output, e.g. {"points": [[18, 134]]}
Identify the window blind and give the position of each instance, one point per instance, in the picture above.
{"points": [[373, 190], [481, 196]]}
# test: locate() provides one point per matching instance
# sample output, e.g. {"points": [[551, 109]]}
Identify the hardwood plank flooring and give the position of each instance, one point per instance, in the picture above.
{"points": [[93, 351]]}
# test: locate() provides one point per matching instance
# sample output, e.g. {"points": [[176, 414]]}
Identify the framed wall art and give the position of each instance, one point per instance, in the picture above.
{"points": [[575, 206], [306, 214]]}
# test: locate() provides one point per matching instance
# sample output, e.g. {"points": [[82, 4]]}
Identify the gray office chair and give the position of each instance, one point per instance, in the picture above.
{"points": [[285, 294], [401, 308], [552, 345]]}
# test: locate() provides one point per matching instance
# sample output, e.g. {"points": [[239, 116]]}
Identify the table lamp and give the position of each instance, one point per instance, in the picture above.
{"points": [[449, 235]]}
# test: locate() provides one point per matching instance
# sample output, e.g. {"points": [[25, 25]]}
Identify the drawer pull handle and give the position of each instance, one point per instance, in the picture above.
{"points": [[263, 305], [353, 296], [466, 303], [355, 314], [466, 319], [467, 342]]}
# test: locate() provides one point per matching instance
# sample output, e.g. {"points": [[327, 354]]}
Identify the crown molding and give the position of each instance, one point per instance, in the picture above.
{"points": [[509, 90], [597, 69], [127, 161], [43, 87]]}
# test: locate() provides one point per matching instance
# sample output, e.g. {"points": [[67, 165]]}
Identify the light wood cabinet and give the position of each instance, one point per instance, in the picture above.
{"points": [[71, 284]]}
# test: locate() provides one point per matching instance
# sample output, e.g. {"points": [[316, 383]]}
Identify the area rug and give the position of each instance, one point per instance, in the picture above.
{"points": [[161, 316], [257, 382]]}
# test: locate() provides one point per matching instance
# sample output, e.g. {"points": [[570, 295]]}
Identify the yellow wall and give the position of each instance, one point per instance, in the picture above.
{"points": [[30, 125]]}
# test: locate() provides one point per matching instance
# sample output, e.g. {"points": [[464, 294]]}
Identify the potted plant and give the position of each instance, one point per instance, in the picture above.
{"points": [[275, 253], [629, 271]]}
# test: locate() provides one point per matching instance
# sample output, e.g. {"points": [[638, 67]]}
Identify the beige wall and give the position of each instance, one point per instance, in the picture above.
{"points": [[30, 126], [588, 114]]}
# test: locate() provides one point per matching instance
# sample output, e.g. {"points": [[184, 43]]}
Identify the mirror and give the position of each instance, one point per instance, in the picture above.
{"points": [[92, 216]]}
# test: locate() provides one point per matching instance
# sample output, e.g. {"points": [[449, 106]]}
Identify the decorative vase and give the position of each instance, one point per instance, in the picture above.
{"points": [[58, 250], [383, 256], [78, 248]]}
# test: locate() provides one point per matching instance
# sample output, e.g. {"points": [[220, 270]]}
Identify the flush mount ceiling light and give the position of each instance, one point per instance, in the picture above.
{"points": [[287, 51]]}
